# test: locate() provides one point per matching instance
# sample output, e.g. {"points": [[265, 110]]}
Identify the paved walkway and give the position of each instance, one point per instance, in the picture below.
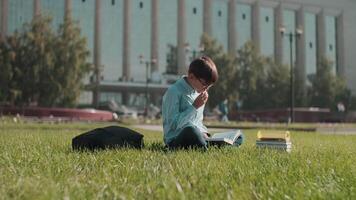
{"points": [[337, 130], [149, 127]]}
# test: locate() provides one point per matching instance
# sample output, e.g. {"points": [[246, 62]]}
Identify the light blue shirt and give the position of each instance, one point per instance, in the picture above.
{"points": [[178, 111]]}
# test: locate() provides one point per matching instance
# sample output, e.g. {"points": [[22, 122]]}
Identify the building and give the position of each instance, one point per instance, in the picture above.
{"points": [[132, 40]]}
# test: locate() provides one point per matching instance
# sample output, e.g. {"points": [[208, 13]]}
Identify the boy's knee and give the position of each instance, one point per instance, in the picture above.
{"points": [[191, 131], [193, 136]]}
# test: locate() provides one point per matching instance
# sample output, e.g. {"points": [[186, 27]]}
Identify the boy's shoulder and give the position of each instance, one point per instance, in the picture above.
{"points": [[176, 85], [174, 88]]}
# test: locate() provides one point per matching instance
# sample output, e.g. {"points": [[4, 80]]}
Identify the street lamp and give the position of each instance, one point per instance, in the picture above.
{"points": [[298, 32], [147, 63]]}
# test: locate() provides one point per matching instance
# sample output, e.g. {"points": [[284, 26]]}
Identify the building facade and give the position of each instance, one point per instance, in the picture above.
{"points": [[135, 42]]}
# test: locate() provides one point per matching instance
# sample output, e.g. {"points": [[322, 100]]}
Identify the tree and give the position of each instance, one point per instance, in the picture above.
{"points": [[5, 68], [37, 61], [251, 76], [259, 83], [327, 89], [276, 87], [44, 67], [225, 87], [70, 66], [262, 83], [172, 60], [300, 88]]}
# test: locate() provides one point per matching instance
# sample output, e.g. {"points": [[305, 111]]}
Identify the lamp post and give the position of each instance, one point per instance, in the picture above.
{"points": [[298, 32], [147, 63]]}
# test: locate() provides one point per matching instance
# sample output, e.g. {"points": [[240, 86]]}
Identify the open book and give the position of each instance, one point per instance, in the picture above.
{"points": [[224, 138]]}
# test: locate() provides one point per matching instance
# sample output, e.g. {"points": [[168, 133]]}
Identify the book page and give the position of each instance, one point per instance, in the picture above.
{"points": [[230, 135]]}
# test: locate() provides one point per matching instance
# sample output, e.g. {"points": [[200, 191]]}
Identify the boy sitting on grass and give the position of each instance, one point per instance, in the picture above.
{"points": [[183, 106]]}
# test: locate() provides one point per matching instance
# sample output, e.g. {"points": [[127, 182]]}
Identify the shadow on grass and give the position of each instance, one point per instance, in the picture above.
{"points": [[160, 147], [152, 146], [157, 146]]}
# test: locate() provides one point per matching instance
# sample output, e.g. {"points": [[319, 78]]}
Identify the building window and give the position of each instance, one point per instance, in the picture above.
{"points": [[267, 19], [243, 16], [194, 10], [219, 13], [83, 1], [310, 45], [112, 2], [330, 47], [141, 4]]}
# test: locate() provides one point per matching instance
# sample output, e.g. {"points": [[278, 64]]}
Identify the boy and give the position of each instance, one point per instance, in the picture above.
{"points": [[183, 106]]}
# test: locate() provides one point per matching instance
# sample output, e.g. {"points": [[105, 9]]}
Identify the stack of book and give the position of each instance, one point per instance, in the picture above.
{"points": [[276, 140]]}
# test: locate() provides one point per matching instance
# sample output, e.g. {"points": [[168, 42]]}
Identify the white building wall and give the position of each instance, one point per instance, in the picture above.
{"points": [[347, 8]]}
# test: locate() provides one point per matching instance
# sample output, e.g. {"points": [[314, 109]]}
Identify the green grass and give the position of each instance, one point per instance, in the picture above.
{"points": [[36, 162]]}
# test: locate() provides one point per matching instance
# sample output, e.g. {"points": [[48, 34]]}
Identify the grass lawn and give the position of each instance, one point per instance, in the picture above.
{"points": [[36, 162]]}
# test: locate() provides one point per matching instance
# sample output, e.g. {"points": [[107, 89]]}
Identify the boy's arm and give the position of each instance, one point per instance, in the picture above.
{"points": [[203, 128], [203, 97], [173, 118]]}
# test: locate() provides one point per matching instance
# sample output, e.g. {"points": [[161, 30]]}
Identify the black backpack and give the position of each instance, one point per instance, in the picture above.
{"points": [[108, 137]]}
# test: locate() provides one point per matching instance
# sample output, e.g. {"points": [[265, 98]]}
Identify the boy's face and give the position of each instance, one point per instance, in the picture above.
{"points": [[199, 84]]}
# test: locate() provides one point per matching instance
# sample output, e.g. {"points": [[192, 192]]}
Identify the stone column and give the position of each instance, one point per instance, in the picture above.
{"points": [[155, 98], [300, 54], [340, 44], [321, 39], [256, 36], [36, 8], [278, 17], [207, 14], [97, 52], [181, 40], [154, 35], [126, 75], [126, 56], [68, 8], [4, 18], [232, 31]]}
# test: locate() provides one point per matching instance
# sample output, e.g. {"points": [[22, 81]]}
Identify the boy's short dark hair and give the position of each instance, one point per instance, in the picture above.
{"points": [[205, 69]]}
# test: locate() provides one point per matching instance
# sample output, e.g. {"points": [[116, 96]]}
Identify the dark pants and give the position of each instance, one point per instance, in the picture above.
{"points": [[189, 137], [240, 140]]}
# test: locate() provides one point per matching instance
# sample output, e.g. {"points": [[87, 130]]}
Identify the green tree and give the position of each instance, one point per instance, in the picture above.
{"points": [[70, 66], [37, 61], [225, 87], [172, 60], [327, 88], [44, 66], [251, 77], [255, 80], [300, 88], [9, 89], [276, 90], [262, 83]]}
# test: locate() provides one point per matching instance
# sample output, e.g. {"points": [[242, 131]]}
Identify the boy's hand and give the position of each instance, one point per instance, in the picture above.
{"points": [[206, 135], [201, 99]]}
